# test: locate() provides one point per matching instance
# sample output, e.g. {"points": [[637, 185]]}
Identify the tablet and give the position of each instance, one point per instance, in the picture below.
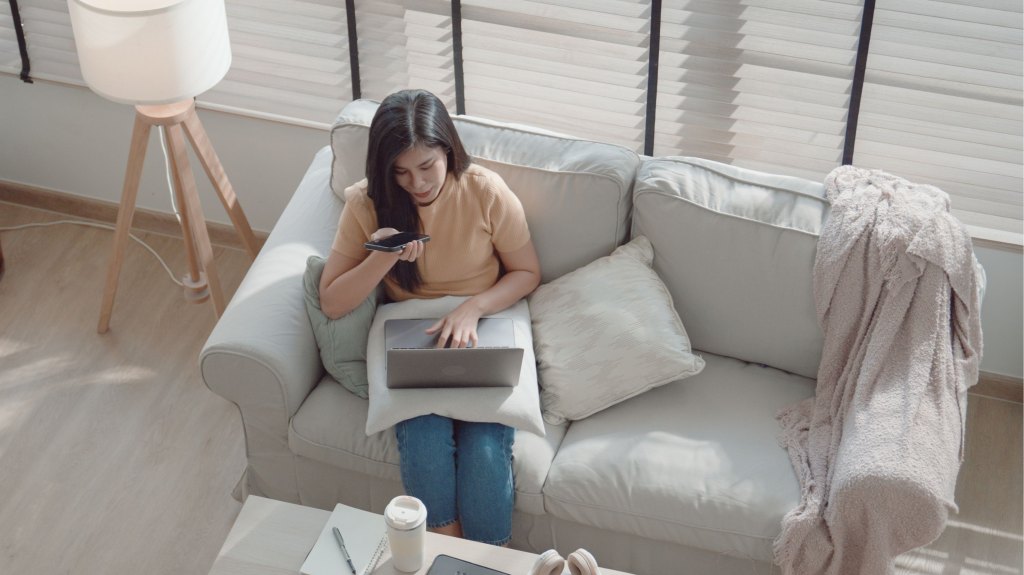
{"points": [[448, 565]]}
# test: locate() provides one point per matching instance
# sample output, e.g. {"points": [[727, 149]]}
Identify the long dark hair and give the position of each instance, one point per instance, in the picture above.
{"points": [[406, 119]]}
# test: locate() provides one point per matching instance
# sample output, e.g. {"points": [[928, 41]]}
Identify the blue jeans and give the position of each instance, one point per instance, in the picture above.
{"points": [[462, 471]]}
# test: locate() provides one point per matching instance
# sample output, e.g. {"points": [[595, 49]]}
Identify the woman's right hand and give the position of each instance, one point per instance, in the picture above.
{"points": [[382, 233], [409, 253]]}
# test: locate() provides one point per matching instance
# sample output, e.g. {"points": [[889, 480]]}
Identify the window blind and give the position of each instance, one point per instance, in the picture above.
{"points": [[406, 44], [942, 105], [572, 66], [763, 84], [289, 60], [10, 57], [51, 46]]}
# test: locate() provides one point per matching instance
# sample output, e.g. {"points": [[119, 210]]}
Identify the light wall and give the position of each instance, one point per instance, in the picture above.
{"points": [[1002, 311], [67, 139]]}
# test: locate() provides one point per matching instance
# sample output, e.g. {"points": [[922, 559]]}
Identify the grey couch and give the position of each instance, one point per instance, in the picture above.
{"points": [[685, 478]]}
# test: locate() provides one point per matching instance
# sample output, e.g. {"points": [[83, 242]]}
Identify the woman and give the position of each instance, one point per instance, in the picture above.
{"points": [[420, 179]]}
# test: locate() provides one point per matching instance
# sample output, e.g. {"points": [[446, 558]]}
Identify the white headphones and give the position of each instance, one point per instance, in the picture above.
{"points": [[580, 562]]}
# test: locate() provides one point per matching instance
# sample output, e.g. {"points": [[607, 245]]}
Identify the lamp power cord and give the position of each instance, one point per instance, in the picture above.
{"points": [[174, 206], [102, 226]]}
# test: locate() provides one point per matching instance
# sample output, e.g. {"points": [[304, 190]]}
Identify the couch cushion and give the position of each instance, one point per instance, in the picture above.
{"points": [[736, 249], [330, 427], [695, 462], [605, 333], [342, 341], [561, 181]]}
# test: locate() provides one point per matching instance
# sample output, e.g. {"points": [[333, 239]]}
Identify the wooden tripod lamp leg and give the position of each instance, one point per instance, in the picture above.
{"points": [[136, 157], [179, 119], [201, 237], [211, 163]]}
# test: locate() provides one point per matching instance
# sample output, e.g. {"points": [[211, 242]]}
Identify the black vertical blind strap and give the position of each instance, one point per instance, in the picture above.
{"points": [[867, 18], [460, 79], [652, 77], [353, 48], [22, 46]]}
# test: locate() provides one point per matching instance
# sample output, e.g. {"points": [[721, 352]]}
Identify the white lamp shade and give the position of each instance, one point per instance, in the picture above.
{"points": [[151, 51]]}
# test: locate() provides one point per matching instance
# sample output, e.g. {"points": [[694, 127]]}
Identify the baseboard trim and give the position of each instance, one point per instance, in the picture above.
{"points": [[999, 386], [102, 211]]}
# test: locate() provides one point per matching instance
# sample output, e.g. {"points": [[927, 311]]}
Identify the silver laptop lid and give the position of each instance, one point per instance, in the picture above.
{"points": [[478, 367]]}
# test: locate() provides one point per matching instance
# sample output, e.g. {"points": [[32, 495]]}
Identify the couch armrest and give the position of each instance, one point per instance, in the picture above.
{"points": [[262, 355], [262, 352]]}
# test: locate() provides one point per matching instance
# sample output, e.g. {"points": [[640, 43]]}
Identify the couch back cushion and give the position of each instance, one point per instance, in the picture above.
{"points": [[576, 193], [736, 249]]}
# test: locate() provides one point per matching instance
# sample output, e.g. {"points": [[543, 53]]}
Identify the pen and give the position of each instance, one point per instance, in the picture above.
{"points": [[344, 550]]}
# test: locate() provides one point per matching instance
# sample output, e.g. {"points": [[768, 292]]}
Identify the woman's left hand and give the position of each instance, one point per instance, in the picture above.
{"points": [[459, 326]]}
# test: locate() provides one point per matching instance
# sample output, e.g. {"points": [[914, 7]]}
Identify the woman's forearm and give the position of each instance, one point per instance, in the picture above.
{"points": [[348, 290], [512, 287]]}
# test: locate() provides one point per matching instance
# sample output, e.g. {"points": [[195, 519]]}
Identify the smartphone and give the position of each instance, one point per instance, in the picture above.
{"points": [[396, 242], [448, 565]]}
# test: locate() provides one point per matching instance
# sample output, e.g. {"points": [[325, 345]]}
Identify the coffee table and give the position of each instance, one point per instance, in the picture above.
{"points": [[273, 537]]}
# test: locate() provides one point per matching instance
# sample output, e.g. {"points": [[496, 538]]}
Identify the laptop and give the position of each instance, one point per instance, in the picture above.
{"points": [[412, 361]]}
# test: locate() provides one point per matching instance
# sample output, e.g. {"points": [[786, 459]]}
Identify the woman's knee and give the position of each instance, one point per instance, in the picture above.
{"points": [[426, 446], [426, 438], [486, 491], [484, 444]]}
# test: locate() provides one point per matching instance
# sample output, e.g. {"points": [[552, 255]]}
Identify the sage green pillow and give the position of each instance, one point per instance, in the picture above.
{"points": [[342, 341]]}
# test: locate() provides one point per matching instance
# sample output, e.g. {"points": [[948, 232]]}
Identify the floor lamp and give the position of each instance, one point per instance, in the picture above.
{"points": [[158, 55]]}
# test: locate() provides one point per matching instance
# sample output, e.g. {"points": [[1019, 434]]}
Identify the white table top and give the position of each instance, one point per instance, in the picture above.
{"points": [[273, 537]]}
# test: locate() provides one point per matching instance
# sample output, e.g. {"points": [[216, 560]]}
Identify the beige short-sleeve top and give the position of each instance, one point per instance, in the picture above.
{"points": [[473, 218]]}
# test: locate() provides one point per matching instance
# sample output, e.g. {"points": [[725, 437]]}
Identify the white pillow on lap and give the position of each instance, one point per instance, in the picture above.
{"points": [[517, 407]]}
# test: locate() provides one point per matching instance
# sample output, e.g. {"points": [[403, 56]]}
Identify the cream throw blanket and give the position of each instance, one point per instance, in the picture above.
{"points": [[878, 448]]}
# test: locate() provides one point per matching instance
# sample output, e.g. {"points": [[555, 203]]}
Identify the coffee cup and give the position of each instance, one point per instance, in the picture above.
{"points": [[406, 520]]}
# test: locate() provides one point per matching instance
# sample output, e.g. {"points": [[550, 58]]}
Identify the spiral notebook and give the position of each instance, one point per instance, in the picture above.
{"points": [[365, 538]]}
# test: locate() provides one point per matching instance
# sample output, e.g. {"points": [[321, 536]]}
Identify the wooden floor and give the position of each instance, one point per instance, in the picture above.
{"points": [[114, 456], [985, 536], [116, 459]]}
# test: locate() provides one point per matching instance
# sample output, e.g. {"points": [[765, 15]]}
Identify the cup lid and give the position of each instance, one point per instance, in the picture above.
{"points": [[405, 512]]}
